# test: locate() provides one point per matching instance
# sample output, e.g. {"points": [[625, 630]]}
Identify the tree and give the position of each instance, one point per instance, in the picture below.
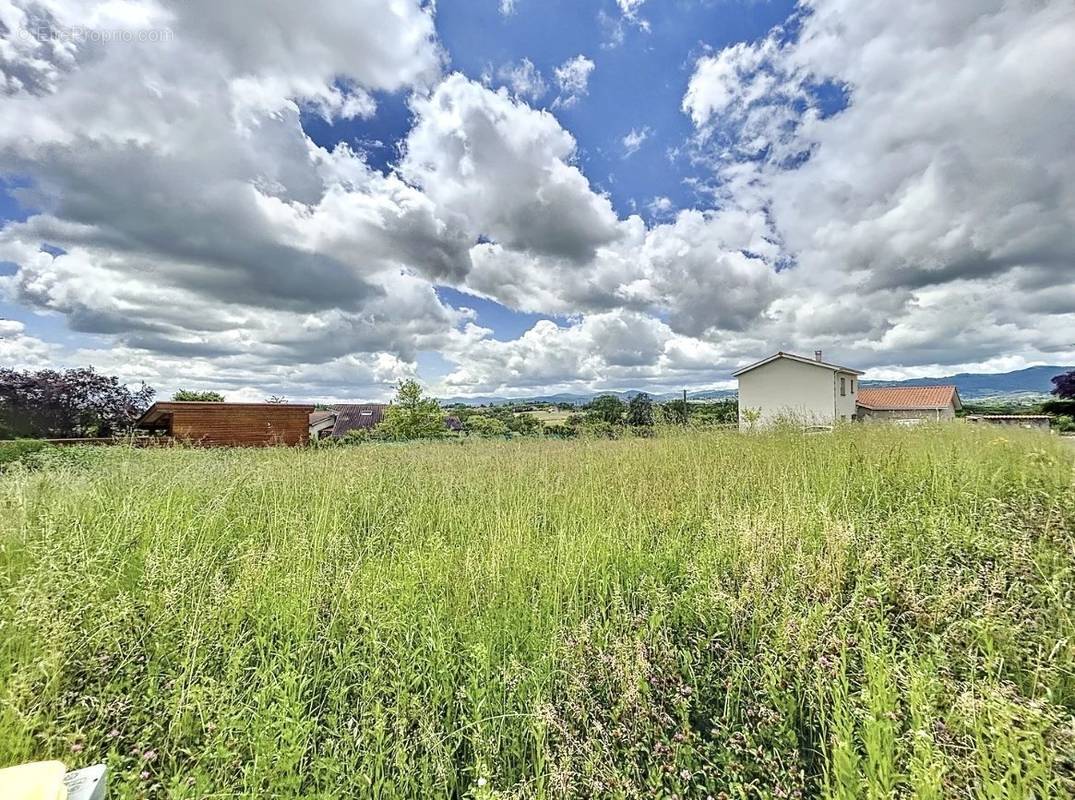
{"points": [[67, 404], [524, 424], [412, 416], [675, 412], [1064, 386], [606, 408], [276, 399], [640, 411], [193, 396]]}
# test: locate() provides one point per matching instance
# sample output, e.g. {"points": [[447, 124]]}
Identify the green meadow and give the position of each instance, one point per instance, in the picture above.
{"points": [[872, 613]]}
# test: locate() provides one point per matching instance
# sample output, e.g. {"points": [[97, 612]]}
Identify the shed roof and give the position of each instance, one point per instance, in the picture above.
{"points": [[803, 359], [155, 412], [357, 415], [908, 398], [317, 417]]}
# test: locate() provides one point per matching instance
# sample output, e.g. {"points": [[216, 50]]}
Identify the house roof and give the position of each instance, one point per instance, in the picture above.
{"points": [[908, 398], [357, 415], [317, 417], [791, 356], [158, 410]]}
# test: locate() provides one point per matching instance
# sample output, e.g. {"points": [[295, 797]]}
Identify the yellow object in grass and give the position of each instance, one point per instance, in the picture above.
{"points": [[42, 780]]}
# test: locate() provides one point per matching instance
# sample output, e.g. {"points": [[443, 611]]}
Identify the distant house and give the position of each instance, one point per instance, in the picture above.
{"points": [[353, 416], [806, 391], [453, 424], [908, 404], [232, 424], [1032, 421]]}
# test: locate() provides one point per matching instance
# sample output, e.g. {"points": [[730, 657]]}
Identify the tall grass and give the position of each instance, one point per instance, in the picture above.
{"points": [[872, 613]]}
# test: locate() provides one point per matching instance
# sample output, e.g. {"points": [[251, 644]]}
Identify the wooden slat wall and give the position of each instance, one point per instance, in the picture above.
{"points": [[224, 424]]}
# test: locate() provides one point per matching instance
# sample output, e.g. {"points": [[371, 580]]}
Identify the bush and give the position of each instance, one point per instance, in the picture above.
{"points": [[524, 424], [356, 436], [36, 454], [486, 426], [1063, 407], [16, 450], [599, 429]]}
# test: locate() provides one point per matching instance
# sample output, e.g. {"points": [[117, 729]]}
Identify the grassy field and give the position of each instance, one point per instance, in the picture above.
{"points": [[869, 614], [551, 416]]}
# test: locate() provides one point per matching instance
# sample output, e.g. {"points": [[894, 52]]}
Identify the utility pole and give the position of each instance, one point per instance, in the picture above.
{"points": [[684, 406]]}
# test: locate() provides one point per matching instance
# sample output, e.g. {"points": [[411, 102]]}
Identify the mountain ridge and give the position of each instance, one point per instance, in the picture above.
{"points": [[1028, 383]]}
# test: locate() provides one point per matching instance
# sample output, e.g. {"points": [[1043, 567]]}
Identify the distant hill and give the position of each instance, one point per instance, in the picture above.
{"points": [[1031, 383], [583, 399]]}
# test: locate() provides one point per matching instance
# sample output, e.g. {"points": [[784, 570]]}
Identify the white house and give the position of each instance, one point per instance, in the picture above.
{"points": [[806, 391]]}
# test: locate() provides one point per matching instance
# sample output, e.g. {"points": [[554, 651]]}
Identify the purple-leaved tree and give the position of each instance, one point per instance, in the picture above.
{"points": [[1064, 385], [60, 404]]}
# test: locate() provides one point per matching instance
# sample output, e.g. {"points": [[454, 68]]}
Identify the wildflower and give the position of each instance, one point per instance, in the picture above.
{"points": [[150, 755], [144, 775], [685, 774], [481, 783], [76, 747], [113, 734]]}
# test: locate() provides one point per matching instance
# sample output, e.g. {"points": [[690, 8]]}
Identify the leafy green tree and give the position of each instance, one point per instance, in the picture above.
{"points": [[525, 424], [674, 412], [192, 396], [640, 411], [412, 415], [606, 408]]}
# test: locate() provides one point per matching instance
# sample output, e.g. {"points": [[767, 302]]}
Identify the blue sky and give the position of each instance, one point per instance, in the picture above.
{"points": [[533, 196], [641, 73]]}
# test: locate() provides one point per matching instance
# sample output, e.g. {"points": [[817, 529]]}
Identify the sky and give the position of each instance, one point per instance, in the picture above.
{"points": [[515, 197]]}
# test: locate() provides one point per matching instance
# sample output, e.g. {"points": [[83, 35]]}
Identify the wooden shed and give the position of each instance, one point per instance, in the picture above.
{"points": [[234, 424]]}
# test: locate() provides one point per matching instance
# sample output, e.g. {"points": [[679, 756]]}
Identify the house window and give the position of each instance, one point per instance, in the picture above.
{"points": [[843, 387], [852, 386]]}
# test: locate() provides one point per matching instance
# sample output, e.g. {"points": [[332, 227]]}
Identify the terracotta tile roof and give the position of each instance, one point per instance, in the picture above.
{"points": [[900, 398], [1009, 416]]}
